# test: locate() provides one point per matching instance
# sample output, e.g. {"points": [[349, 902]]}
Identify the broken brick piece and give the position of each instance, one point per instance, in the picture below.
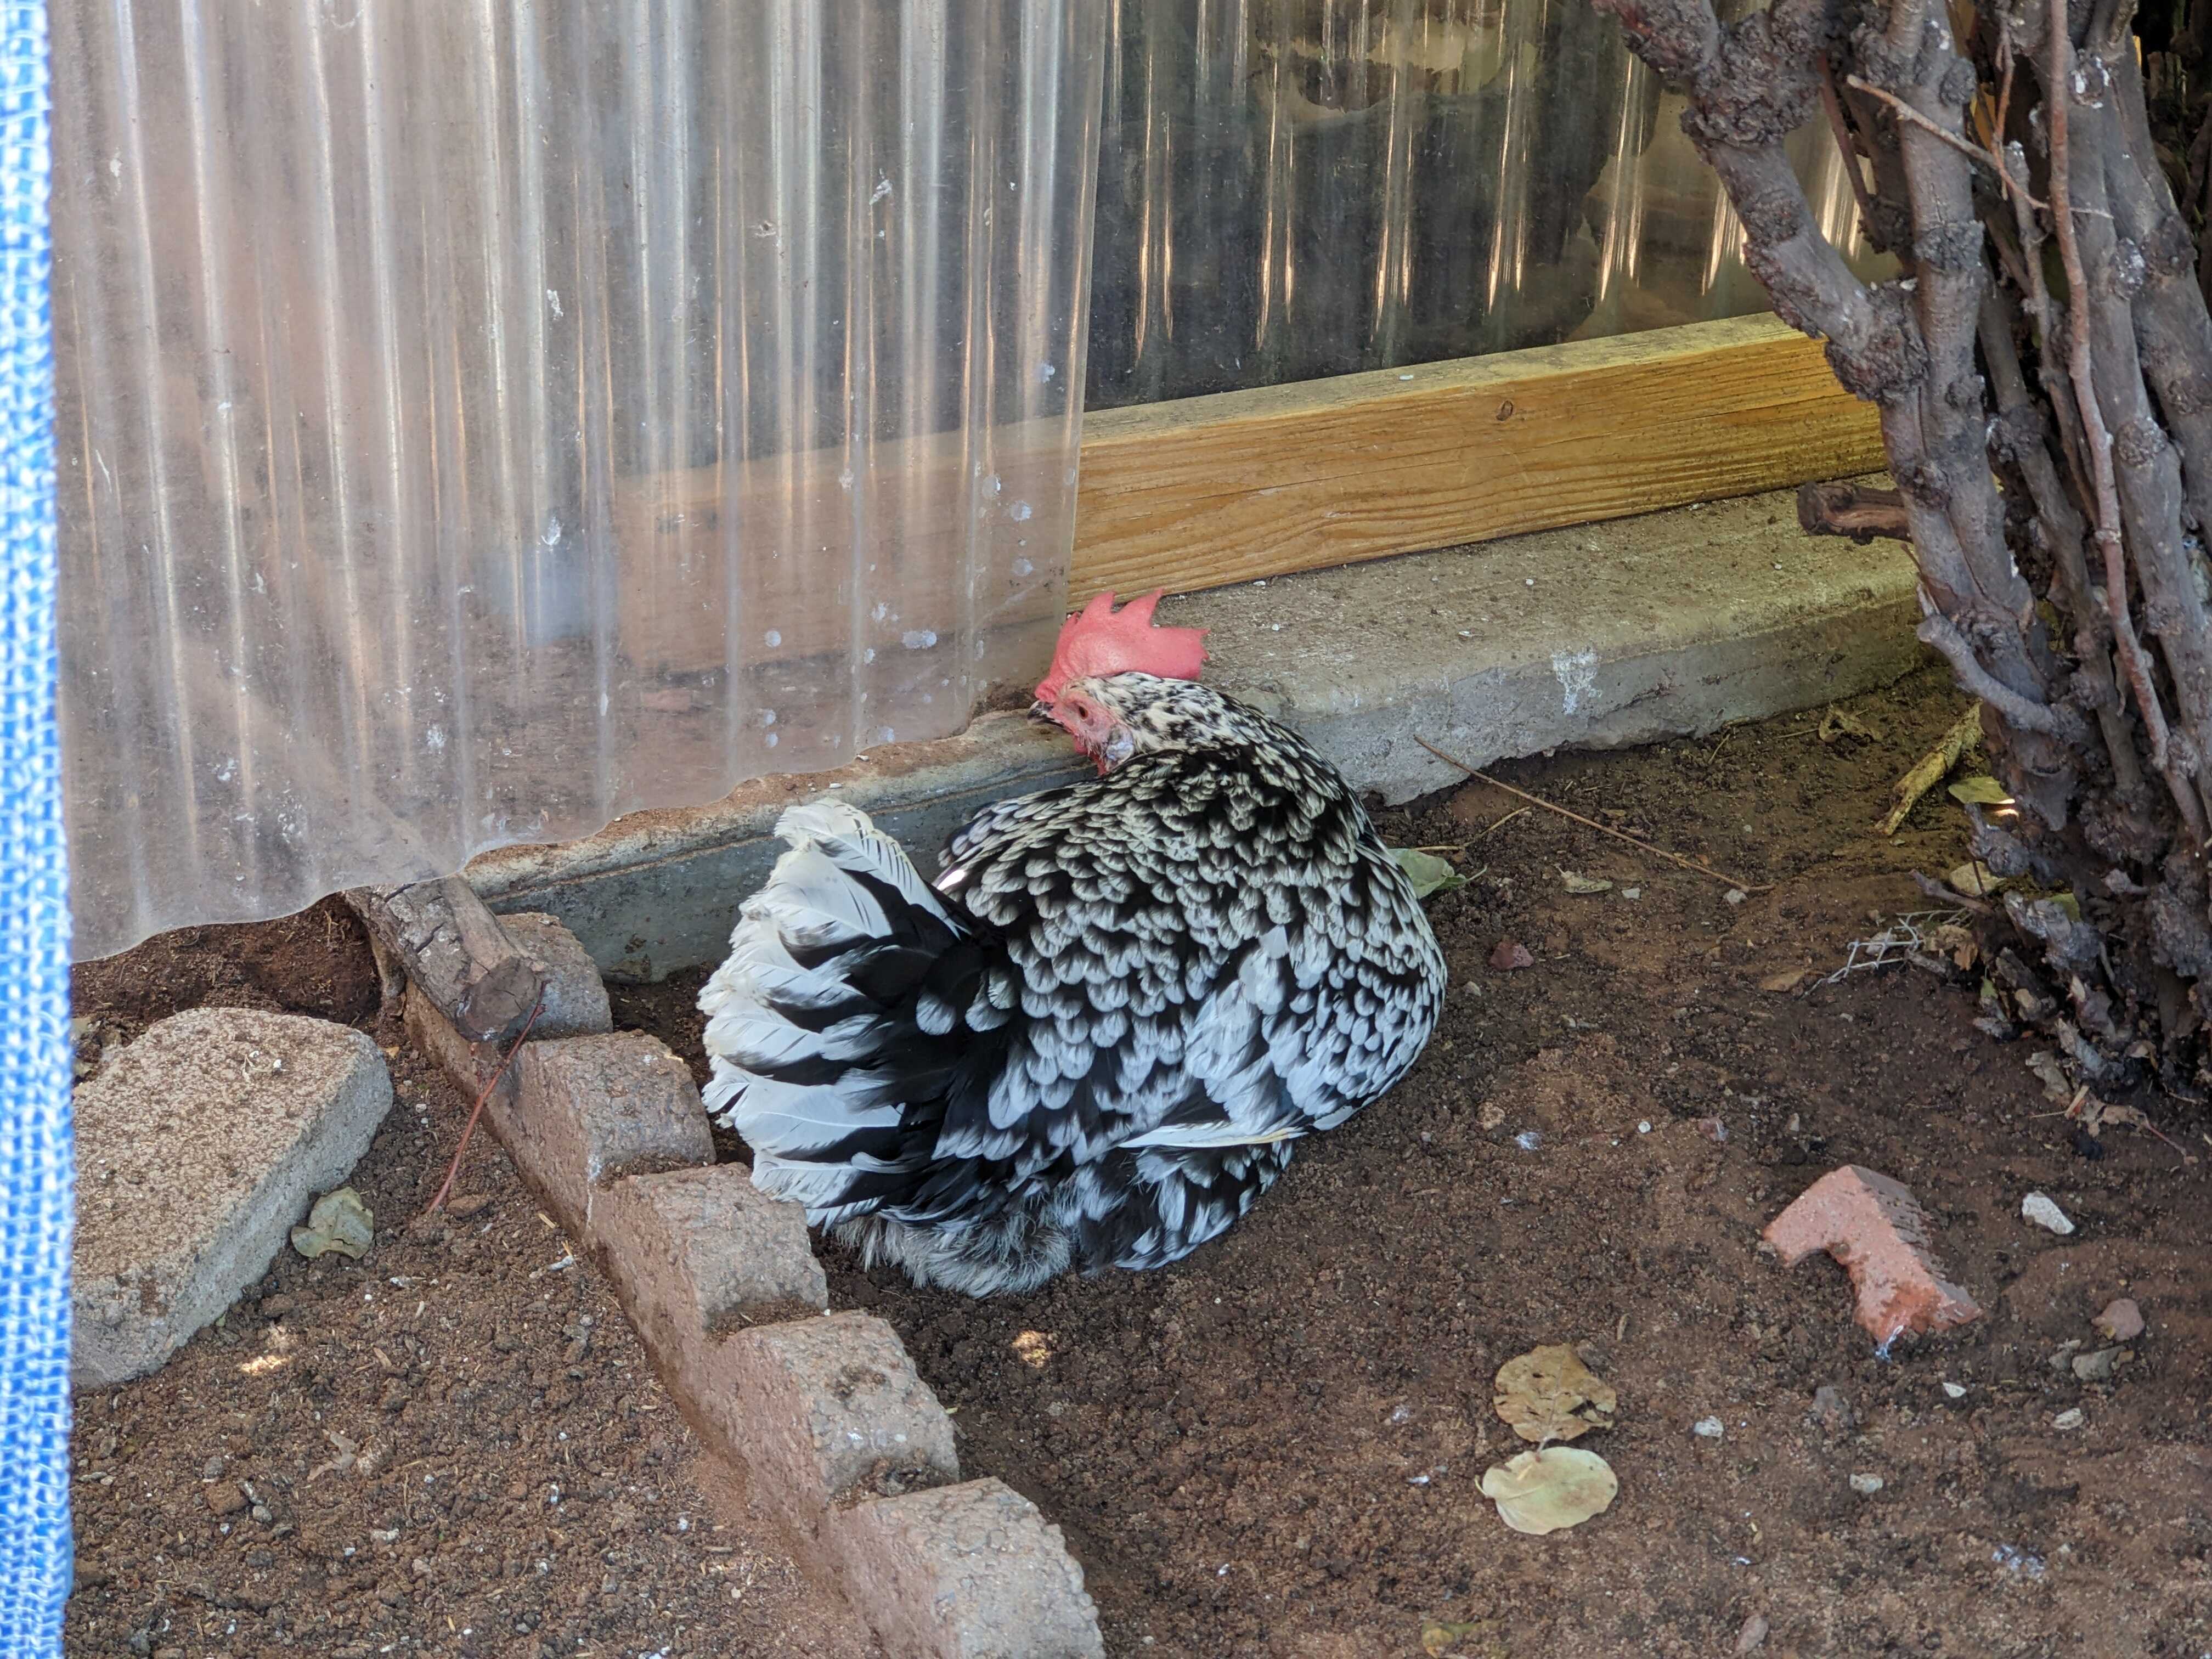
{"points": [[1872, 1226], [587, 1110], [699, 1252], [820, 1411], [971, 1571]]}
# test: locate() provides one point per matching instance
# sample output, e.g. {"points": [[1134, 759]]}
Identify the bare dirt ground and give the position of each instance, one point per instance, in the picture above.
{"points": [[453, 1446], [1274, 1447]]}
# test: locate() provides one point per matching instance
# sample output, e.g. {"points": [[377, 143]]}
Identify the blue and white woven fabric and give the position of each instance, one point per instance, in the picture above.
{"points": [[35, 1166]]}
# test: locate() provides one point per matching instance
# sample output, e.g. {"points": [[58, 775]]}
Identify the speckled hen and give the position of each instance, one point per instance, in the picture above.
{"points": [[1095, 1041]]}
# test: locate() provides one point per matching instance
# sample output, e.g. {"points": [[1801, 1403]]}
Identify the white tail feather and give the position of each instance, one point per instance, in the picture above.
{"points": [[813, 902], [855, 843], [810, 901]]}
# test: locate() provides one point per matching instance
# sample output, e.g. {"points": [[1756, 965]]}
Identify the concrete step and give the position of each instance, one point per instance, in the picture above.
{"points": [[1670, 625]]}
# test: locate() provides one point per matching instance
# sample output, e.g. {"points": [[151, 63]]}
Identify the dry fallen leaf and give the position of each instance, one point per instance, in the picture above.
{"points": [[1541, 1492], [1547, 1394], [1975, 879], [1837, 724], [1577, 883], [1473, 1638], [1956, 943], [1788, 980], [2056, 1083]]}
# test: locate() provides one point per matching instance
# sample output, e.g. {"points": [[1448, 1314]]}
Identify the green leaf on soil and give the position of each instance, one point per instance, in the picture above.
{"points": [[1545, 1491], [1980, 791], [340, 1222], [1428, 872], [1577, 883]]}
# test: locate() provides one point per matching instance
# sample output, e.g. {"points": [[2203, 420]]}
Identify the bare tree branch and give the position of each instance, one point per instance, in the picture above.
{"points": [[2024, 417], [2067, 170]]}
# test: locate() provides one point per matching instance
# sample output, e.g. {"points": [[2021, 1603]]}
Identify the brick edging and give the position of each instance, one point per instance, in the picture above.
{"points": [[822, 1413]]}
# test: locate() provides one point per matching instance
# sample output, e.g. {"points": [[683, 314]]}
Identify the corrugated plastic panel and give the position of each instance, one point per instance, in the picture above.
{"points": [[1294, 189], [481, 419]]}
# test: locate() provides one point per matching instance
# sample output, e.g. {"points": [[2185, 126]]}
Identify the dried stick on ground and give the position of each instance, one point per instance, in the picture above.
{"points": [[2043, 369], [1859, 511], [1932, 767], [454, 950]]}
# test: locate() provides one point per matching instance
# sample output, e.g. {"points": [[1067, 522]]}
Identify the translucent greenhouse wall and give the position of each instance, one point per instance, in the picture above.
{"points": [[479, 418], [1294, 189]]}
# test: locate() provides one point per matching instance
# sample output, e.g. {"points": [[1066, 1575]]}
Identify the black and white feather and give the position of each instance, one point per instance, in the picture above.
{"points": [[1094, 1042]]}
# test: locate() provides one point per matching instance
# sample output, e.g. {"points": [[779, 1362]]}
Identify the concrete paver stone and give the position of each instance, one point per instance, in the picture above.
{"points": [[199, 1147]]}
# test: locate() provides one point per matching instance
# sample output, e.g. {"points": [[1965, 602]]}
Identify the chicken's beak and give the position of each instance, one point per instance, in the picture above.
{"points": [[1041, 712]]}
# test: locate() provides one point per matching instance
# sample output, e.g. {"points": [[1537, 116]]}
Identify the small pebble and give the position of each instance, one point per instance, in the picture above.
{"points": [[2098, 1367], [1708, 1428], [462, 1208], [1831, 1410], [2040, 1209], [2121, 1321], [1736, 895], [261, 1513], [1866, 1485], [1752, 1636], [1954, 1391], [2073, 1418], [1643, 1126]]}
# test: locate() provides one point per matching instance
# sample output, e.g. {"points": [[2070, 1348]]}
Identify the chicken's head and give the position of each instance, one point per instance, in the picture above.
{"points": [[1097, 643]]}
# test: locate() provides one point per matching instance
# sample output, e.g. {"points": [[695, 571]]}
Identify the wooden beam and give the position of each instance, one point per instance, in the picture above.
{"points": [[1245, 484]]}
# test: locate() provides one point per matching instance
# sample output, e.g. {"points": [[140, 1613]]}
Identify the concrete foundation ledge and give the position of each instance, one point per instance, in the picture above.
{"points": [[1620, 633]]}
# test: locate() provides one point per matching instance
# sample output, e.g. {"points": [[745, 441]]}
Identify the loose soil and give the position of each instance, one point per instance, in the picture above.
{"points": [[452, 1446], [1274, 1447]]}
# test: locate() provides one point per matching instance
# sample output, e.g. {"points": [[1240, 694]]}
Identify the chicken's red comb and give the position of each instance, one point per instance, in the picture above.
{"points": [[1098, 641]]}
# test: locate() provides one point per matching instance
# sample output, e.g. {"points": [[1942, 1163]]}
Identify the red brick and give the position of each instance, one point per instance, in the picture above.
{"points": [[1872, 1225], [818, 1411], [698, 1253], [587, 1110], [971, 1571]]}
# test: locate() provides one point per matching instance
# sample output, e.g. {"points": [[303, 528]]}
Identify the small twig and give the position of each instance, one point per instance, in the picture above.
{"points": [[1587, 823], [1516, 813], [1932, 767], [453, 1170], [1905, 111], [1838, 509], [1838, 124]]}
